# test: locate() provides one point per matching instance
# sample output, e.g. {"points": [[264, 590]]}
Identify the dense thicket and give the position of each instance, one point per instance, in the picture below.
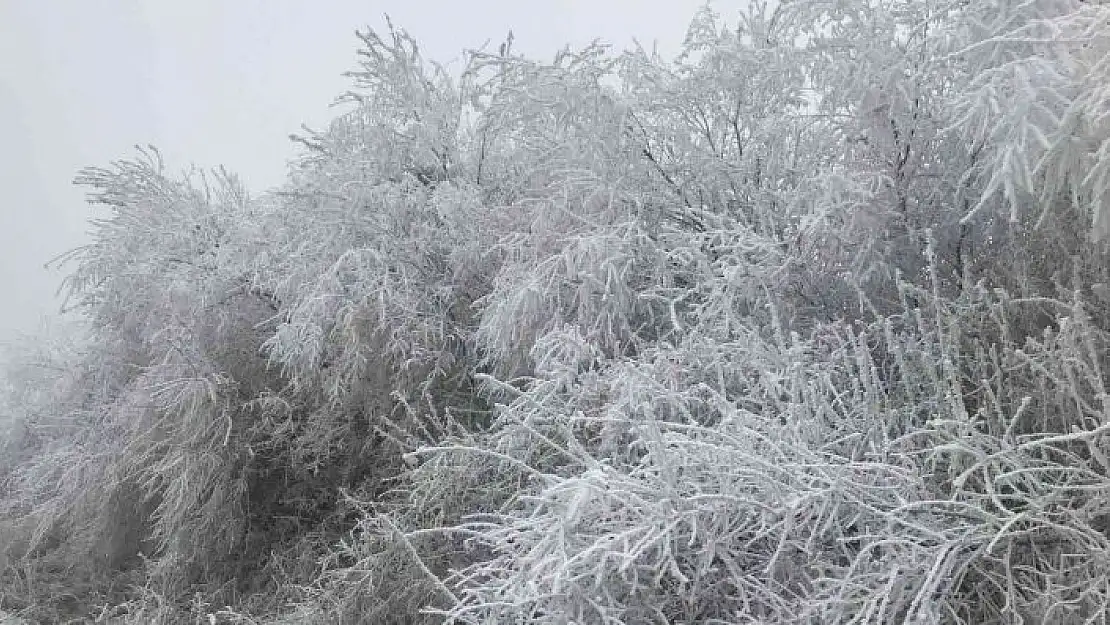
{"points": [[806, 325]]}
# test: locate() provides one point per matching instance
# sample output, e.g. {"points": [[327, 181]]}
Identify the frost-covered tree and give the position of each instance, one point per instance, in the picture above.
{"points": [[804, 325]]}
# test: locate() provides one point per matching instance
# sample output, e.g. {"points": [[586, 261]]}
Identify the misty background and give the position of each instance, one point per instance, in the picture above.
{"points": [[214, 82]]}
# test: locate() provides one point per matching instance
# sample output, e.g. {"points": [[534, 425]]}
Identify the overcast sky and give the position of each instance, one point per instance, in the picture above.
{"points": [[217, 82]]}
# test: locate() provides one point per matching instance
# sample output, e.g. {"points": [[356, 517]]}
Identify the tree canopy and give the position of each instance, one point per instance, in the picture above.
{"points": [[808, 324]]}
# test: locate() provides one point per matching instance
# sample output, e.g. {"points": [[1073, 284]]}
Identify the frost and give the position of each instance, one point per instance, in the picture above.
{"points": [[805, 325]]}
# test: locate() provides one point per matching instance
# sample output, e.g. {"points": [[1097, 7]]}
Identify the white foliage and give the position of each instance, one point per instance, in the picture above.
{"points": [[776, 331]]}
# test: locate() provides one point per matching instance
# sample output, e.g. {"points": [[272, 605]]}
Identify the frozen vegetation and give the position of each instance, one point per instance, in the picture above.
{"points": [[807, 325]]}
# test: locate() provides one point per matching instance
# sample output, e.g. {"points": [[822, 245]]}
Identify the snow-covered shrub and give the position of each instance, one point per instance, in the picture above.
{"points": [[806, 325]]}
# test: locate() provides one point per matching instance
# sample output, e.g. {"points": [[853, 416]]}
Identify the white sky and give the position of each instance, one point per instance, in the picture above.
{"points": [[217, 82]]}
